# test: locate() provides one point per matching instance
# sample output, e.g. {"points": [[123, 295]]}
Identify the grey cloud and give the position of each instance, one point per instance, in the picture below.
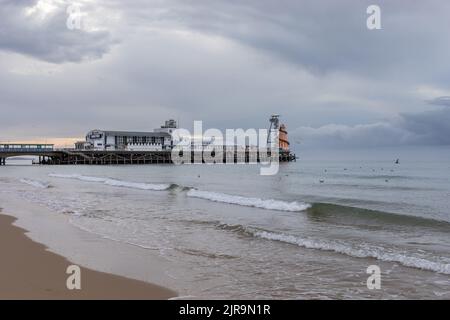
{"points": [[325, 36], [425, 128], [440, 101], [48, 39]]}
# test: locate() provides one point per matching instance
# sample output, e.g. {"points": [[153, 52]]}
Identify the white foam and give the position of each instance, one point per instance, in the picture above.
{"points": [[269, 204], [36, 183], [67, 176], [137, 185], [114, 182], [360, 252]]}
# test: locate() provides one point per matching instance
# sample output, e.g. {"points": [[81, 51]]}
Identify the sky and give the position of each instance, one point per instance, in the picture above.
{"points": [[230, 63]]}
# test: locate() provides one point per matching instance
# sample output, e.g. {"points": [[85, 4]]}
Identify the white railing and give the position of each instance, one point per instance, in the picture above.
{"points": [[12, 148]]}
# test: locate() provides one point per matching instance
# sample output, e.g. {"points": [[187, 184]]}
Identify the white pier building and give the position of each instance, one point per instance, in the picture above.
{"points": [[157, 140]]}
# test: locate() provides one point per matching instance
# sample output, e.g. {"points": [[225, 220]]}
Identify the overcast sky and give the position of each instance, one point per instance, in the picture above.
{"points": [[230, 63]]}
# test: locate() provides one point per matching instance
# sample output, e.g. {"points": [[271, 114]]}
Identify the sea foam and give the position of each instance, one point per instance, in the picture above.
{"points": [[36, 183], [269, 204], [358, 252], [114, 182]]}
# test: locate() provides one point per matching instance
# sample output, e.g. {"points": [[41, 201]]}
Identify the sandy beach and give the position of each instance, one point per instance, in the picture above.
{"points": [[29, 271]]}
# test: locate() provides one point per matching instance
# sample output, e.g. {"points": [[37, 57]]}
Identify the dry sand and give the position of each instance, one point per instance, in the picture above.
{"points": [[29, 271]]}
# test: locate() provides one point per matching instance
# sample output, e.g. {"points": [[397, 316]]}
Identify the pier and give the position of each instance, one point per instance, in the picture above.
{"points": [[48, 155], [109, 147]]}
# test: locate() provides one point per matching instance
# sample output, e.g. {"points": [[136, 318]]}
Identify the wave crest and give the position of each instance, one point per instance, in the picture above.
{"points": [[269, 204], [36, 183], [369, 252], [114, 182]]}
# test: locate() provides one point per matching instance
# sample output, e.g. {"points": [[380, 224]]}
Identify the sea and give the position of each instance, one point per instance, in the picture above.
{"points": [[312, 231]]}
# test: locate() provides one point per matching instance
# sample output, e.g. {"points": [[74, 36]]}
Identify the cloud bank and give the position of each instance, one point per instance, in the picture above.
{"points": [[427, 128]]}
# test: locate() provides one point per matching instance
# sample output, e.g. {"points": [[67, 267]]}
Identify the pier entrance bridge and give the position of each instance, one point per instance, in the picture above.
{"points": [[43, 151]]}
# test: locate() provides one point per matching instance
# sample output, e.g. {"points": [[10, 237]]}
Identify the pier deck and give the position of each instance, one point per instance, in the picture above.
{"points": [[93, 157], [90, 157]]}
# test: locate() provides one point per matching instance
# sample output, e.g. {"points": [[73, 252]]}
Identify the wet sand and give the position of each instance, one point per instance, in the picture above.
{"points": [[29, 271]]}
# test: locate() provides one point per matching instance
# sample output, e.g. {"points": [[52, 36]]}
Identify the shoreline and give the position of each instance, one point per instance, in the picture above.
{"points": [[29, 271]]}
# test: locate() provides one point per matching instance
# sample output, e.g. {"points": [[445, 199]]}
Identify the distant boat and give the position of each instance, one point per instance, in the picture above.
{"points": [[397, 161]]}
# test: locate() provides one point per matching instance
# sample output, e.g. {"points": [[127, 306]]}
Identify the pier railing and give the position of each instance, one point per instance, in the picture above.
{"points": [[21, 148]]}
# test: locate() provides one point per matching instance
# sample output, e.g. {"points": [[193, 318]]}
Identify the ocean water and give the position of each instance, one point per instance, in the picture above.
{"points": [[309, 232]]}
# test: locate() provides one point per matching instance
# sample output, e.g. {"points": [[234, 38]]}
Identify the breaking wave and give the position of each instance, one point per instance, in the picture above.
{"points": [[114, 182], [36, 183], [359, 252], [269, 204]]}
